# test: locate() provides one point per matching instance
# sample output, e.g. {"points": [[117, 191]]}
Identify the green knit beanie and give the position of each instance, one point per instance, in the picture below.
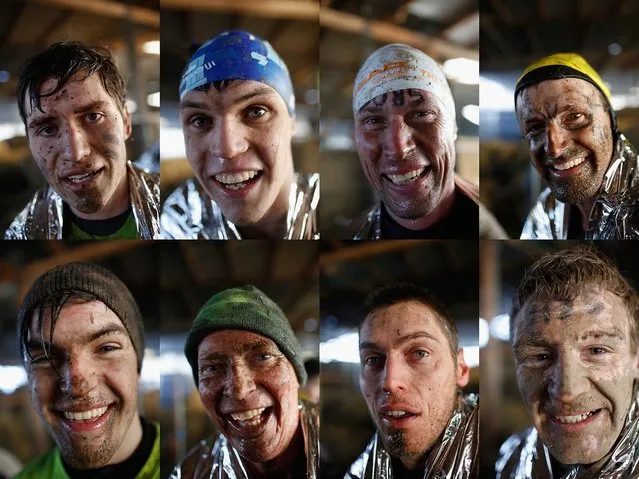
{"points": [[88, 278], [246, 308]]}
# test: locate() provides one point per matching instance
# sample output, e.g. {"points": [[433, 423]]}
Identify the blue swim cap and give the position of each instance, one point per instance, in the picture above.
{"points": [[238, 55]]}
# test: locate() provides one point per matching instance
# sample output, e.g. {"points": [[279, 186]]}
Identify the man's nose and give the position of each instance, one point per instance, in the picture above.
{"points": [[76, 142], [77, 377], [398, 139], [569, 380], [395, 376], [242, 383], [227, 139], [557, 139]]}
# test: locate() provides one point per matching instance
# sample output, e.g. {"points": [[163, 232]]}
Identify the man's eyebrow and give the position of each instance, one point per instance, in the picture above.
{"points": [[203, 106], [193, 104], [107, 330], [530, 343], [614, 333], [44, 120], [259, 92], [38, 122], [372, 108], [241, 349], [94, 105], [399, 341]]}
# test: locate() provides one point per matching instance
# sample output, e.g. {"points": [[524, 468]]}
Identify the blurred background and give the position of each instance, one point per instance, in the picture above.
{"points": [[350, 271], [130, 29], [291, 27], [21, 263], [512, 35], [501, 267], [350, 31], [192, 272]]}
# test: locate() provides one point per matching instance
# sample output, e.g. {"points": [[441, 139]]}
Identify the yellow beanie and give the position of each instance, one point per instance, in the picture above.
{"points": [[570, 61]]}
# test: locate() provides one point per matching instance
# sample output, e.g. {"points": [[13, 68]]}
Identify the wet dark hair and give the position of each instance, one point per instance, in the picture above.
{"points": [[402, 292], [54, 305], [566, 274], [61, 61]]}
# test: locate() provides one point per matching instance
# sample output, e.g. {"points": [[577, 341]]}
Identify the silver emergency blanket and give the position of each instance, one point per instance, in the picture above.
{"points": [[189, 212], [42, 217], [615, 214], [369, 224], [222, 461], [454, 455], [524, 456]]}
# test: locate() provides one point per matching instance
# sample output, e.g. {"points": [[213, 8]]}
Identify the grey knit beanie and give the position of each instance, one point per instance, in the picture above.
{"points": [[88, 278], [249, 309]]}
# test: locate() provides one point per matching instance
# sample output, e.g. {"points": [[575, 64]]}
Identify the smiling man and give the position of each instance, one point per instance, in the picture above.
{"points": [[574, 333], [82, 343], [405, 131], [72, 101], [248, 367], [237, 109], [565, 113], [412, 372]]}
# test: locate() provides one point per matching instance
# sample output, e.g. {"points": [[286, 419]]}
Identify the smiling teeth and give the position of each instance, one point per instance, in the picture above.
{"points": [[79, 178], [406, 178], [396, 413], [234, 178], [247, 415], [82, 416], [570, 164], [573, 419]]}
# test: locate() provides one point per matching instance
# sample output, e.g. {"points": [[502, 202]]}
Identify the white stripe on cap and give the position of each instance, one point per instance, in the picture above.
{"points": [[399, 67]]}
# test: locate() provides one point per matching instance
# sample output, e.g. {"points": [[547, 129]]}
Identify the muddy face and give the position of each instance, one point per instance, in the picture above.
{"points": [[238, 142], [249, 390], [576, 365], [568, 130], [405, 142], [78, 141], [90, 408], [409, 378]]}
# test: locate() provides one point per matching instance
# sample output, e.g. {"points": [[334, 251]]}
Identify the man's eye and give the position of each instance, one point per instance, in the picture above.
{"points": [[107, 348], [264, 356], [373, 121], [200, 122], [47, 130], [424, 115], [210, 369], [372, 360], [421, 354], [597, 351], [93, 117], [256, 112]]}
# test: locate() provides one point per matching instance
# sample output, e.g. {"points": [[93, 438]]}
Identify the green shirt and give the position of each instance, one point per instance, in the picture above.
{"points": [[128, 230], [49, 465]]}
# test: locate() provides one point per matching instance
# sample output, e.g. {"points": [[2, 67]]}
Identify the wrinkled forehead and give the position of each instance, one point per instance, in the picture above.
{"points": [[556, 93], [225, 95], [231, 343], [590, 307], [79, 89], [387, 324], [411, 97]]}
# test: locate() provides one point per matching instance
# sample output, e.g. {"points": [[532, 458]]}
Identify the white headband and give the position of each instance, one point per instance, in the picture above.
{"points": [[399, 67]]}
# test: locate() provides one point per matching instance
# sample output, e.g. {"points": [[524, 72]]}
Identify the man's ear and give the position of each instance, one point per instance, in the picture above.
{"points": [[463, 371], [126, 118]]}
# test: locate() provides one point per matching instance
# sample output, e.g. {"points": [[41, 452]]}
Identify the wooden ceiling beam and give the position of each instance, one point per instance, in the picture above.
{"points": [[366, 250], [108, 8], [86, 252], [284, 9], [389, 33]]}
